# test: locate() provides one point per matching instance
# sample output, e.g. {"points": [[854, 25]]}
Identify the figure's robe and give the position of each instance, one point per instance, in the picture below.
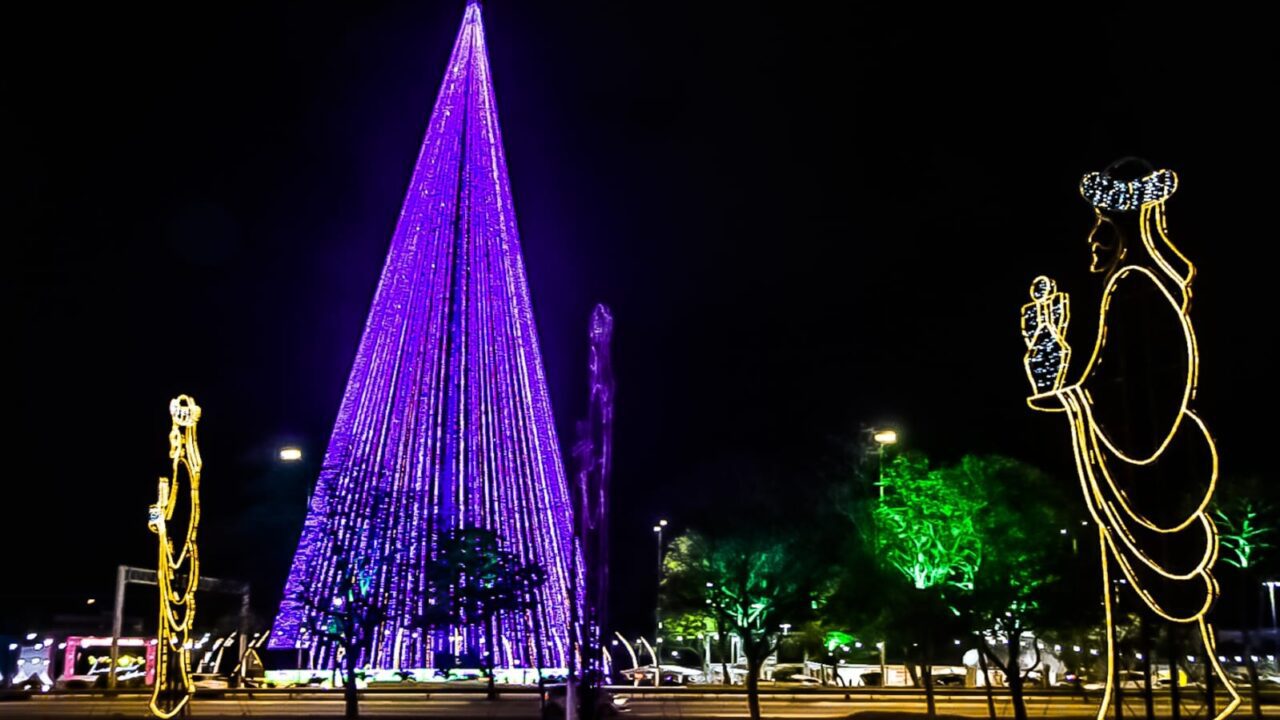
{"points": [[1133, 400]]}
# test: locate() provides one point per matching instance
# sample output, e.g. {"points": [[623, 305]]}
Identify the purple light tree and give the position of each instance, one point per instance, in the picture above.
{"points": [[446, 422], [594, 455]]}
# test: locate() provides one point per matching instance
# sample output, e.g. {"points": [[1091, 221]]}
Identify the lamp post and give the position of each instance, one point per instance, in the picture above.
{"points": [[657, 607], [882, 438], [289, 455], [1271, 592]]}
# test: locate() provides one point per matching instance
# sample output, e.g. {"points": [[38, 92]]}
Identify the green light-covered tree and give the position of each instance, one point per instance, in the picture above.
{"points": [[926, 529], [1023, 527], [1245, 526], [749, 583], [690, 631]]}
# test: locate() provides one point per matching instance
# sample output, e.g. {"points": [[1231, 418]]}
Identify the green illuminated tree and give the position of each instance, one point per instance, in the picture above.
{"points": [[1024, 529], [689, 631], [1245, 525], [926, 529], [926, 524], [748, 583]]}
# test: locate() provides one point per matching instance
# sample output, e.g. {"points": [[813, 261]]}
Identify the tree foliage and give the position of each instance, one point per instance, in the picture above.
{"points": [[471, 580], [748, 584], [927, 523]]}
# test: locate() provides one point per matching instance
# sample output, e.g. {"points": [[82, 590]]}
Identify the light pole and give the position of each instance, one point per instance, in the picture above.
{"points": [[657, 607], [1271, 591], [882, 437], [290, 454]]}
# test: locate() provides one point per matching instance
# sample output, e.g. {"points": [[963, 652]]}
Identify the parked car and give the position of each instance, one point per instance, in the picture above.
{"points": [[79, 682], [1129, 680], [607, 705], [949, 679], [210, 681]]}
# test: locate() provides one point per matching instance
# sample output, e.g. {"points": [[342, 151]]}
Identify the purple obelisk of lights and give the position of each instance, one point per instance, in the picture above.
{"points": [[593, 453], [446, 421]]}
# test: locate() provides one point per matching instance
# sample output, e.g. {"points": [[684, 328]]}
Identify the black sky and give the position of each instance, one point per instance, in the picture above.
{"points": [[805, 218]]}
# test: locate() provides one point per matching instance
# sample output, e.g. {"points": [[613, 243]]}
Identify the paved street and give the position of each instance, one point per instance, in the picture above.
{"points": [[667, 705]]}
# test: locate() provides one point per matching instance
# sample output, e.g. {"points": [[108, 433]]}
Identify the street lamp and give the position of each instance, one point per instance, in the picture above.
{"points": [[885, 437], [1270, 585], [657, 605], [882, 437], [290, 455]]}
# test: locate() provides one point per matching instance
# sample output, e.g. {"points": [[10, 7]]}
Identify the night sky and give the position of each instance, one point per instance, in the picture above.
{"points": [[804, 221]]}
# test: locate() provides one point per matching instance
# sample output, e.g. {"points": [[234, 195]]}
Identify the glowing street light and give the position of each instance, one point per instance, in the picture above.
{"points": [[885, 437], [290, 454], [882, 437], [657, 605]]}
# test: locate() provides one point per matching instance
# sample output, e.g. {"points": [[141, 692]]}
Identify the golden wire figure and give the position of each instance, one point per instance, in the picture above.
{"points": [[1147, 463], [1044, 328], [176, 576]]}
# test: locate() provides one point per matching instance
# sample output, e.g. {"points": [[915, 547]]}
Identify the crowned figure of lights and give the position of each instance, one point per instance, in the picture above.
{"points": [[177, 573], [1146, 461], [446, 421]]}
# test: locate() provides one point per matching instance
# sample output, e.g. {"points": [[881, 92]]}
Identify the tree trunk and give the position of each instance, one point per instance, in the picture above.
{"points": [[986, 678], [1175, 675], [1148, 694], [491, 658], [753, 685], [537, 653], [1210, 689], [1254, 698], [926, 674], [1013, 674], [912, 673], [350, 692], [722, 642], [1246, 637]]}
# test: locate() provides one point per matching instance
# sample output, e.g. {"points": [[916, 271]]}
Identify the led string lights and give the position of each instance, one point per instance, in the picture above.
{"points": [[1096, 453], [1044, 328], [1107, 193], [446, 421], [176, 575]]}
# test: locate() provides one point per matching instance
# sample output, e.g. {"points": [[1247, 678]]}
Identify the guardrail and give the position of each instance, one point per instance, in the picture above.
{"points": [[680, 693]]}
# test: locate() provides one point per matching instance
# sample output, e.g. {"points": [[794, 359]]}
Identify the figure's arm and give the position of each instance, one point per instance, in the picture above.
{"points": [[1049, 402]]}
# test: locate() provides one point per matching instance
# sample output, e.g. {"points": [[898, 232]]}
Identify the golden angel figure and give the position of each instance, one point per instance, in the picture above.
{"points": [[177, 574], [1147, 464], [1044, 329]]}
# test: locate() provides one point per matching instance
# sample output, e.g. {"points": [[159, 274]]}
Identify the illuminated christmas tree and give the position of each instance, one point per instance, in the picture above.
{"points": [[446, 422]]}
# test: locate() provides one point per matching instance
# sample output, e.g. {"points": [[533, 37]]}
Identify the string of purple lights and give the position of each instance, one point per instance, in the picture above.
{"points": [[446, 421]]}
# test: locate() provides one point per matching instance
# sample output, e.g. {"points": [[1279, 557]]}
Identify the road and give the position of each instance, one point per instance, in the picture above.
{"points": [[469, 705]]}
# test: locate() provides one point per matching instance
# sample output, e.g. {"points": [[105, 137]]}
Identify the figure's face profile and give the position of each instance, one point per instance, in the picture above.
{"points": [[1106, 245]]}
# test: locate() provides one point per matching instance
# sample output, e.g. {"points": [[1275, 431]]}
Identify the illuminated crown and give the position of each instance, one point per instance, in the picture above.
{"points": [[1106, 192]]}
